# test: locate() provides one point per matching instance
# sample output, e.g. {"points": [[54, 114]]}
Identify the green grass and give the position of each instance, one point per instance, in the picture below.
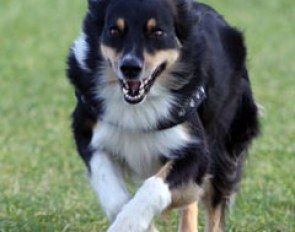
{"points": [[42, 182]]}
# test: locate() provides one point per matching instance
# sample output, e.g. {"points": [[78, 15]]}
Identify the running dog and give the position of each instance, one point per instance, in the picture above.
{"points": [[163, 99]]}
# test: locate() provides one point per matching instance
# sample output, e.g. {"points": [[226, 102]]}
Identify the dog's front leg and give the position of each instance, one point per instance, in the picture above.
{"points": [[108, 183], [178, 183], [151, 199]]}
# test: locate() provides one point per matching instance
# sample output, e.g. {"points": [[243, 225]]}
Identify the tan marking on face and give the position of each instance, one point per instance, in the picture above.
{"points": [[151, 24], [189, 218], [111, 76], [110, 55], [121, 24], [154, 60]]}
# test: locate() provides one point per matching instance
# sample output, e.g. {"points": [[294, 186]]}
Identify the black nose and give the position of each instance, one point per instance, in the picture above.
{"points": [[131, 67]]}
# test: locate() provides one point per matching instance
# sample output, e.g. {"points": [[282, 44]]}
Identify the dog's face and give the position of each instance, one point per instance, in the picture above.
{"points": [[139, 43]]}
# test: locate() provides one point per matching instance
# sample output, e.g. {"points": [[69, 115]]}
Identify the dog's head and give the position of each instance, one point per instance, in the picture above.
{"points": [[141, 41]]}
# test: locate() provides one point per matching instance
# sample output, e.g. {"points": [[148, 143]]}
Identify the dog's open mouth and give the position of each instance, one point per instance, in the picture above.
{"points": [[134, 91]]}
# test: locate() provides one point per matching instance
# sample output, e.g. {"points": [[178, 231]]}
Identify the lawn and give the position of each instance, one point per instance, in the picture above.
{"points": [[43, 184]]}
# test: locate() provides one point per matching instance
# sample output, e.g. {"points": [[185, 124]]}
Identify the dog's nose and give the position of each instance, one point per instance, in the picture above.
{"points": [[131, 67]]}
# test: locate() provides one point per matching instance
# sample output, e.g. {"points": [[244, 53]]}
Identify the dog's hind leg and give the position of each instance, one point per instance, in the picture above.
{"points": [[189, 218], [215, 218], [215, 212]]}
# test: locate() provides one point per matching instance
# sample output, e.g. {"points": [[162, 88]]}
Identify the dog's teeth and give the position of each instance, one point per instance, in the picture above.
{"points": [[134, 98], [125, 91], [141, 86], [141, 92]]}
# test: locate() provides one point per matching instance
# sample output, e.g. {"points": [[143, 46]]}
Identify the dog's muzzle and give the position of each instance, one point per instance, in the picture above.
{"points": [[135, 90]]}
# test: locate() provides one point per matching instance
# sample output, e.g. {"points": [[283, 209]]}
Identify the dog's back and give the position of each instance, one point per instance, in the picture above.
{"points": [[229, 114]]}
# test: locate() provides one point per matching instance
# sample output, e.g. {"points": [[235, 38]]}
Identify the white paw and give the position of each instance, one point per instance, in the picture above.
{"points": [[137, 215], [128, 223], [114, 207], [152, 228]]}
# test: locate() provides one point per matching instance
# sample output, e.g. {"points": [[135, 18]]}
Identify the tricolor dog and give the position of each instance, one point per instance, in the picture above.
{"points": [[164, 100]]}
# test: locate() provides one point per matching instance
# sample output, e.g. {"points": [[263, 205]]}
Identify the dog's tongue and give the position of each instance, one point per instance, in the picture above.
{"points": [[133, 86]]}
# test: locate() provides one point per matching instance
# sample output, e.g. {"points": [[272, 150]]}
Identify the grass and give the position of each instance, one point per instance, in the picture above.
{"points": [[42, 181]]}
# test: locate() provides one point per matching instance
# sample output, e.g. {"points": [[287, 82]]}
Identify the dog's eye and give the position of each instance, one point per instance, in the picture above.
{"points": [[114, 31]]}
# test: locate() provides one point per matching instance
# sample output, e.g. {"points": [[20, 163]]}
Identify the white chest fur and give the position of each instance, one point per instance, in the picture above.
{"points": [[145, 115], [139, 150], [127, 142]]}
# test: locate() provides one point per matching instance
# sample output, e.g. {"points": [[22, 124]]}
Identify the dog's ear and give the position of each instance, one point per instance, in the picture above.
{"points": [[92, 28], [95, 16], [92, 3], [184, 18], [95, 2], [96, 6], [184, 3]]}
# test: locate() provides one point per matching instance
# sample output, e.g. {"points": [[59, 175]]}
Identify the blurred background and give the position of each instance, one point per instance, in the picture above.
{"points": [[43, 186]]}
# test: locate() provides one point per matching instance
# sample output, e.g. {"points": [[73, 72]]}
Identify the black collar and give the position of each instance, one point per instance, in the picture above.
{"points": [[188, 107], [180, 114]]}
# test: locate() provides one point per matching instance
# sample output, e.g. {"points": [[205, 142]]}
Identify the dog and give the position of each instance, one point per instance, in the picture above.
{"points": [[163, 100]]}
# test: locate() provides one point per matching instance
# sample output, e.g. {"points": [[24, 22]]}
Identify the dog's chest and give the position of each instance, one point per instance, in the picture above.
{"points": [[140, 151]]}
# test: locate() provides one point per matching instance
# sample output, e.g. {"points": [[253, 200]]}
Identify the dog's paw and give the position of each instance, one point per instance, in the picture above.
{"points": [[113, 210], [129, 223], [152, 228], [137, 215]]}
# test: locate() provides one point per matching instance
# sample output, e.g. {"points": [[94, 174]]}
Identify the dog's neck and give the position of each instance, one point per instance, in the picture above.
{"points": [[180, 113]]}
